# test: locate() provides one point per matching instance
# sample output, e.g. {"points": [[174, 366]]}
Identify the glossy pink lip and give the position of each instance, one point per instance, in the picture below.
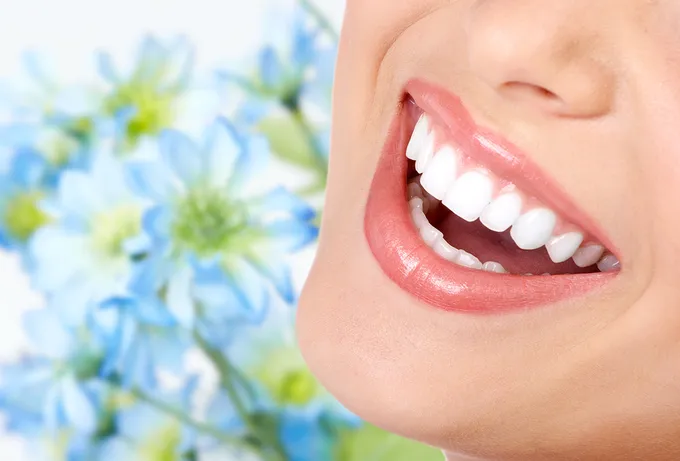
{"points": [[412, 265]]}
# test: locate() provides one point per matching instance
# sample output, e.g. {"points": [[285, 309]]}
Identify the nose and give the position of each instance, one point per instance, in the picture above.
{"points": [[543, 54]]}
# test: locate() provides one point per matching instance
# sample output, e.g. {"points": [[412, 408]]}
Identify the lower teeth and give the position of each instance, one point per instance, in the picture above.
{"points": [[421, 203]]}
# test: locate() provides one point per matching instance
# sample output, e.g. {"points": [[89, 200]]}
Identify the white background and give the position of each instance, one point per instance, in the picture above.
{"points": [[69, 31]]}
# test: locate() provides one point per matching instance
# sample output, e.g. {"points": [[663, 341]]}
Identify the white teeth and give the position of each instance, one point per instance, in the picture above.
{"points": [[563, 247], [418, 138], [430, 234], [440, 172], [588, 255], [467, 260], [426, 154], [469, 195], [533, 229], [502, 213], [609, 263], [492, 266], [446, 251], [419, 218]]}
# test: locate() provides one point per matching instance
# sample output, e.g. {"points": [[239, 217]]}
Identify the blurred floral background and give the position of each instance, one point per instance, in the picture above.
{"points": [[162, 169]]}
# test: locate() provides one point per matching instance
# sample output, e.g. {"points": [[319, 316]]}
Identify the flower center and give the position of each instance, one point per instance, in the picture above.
{"points": [[153, 108], [23, 215], [162, 444], [207, 221], [111, 229], [298, 387]]}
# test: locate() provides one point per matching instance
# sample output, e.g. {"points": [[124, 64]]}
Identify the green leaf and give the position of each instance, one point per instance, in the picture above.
{"points": [[289, 141], [372, 444]]}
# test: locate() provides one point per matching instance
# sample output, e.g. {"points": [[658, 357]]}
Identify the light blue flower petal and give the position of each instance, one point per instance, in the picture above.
{"points": [[304, 436], [247, 283], [239, 295], [37, 69], [78, 196], [72, 302], [179, 299], [280, 200], [139, 422], [18, 135], [53, 415], [151, 58], [151, 180], [278, 272], [117, 449], [152, 312], [250, 167], [222, 413], [182, 156], [156, 223], [28, 168], [179, 65], [167, 349], [45, 330], [109, 175], [106, 67], [304, 44], [271, 68], [58, 256], [223, 149], [118, 344], [79, 409], [290, 235], [138, 366]]}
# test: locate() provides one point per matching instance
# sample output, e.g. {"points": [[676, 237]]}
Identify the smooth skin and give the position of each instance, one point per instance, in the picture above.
{"points": [[590, 89]]}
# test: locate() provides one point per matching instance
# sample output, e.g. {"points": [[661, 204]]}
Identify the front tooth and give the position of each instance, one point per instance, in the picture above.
{"points": [[430, 234], [609, 263], [426, 153], [418, 138], [502, 212], [440, 172], [588, 255], [469, 195], [467, 260], [564, 246], [533, 229], [492, 266], [446, 251]]}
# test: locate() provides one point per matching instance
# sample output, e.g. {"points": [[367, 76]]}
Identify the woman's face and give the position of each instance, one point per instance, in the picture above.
{"points": [[544, 130]]}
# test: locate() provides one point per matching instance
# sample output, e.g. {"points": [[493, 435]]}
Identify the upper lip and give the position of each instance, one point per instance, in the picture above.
{"points": [[408, 261]]}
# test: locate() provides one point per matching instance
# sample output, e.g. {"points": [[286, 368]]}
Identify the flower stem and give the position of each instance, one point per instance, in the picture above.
{"points": [[272, 450], [187, 420], [320, 18]]}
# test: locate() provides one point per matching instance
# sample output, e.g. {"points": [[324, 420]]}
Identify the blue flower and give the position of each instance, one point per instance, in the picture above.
{"points": [[84, 255], [140, 337], [216, 237], [21, 191], [306, 434], [57, 388], [144, 99]]}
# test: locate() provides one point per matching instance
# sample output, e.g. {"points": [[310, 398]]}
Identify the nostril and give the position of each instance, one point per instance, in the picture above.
{"points": [[535, 95], [523, 89]]}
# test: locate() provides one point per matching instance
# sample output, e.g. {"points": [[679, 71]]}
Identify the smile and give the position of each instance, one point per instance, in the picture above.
{"points": [[463, 220]]}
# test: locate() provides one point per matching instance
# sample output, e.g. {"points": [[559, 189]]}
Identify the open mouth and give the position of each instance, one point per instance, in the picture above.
{"points": [[463, 220]]}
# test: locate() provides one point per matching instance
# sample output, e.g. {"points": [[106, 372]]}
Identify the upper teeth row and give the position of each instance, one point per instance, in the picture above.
{"points": [[476, 194]]}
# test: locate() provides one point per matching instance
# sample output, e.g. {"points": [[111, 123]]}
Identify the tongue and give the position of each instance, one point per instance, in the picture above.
{"points": [[488, 245]]}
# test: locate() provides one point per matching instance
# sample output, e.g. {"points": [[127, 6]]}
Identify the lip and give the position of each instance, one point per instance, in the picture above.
{"points": [[409, 262]]}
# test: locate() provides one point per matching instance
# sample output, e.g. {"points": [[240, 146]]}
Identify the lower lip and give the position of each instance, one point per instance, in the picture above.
{"points": [[418, 270]]}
